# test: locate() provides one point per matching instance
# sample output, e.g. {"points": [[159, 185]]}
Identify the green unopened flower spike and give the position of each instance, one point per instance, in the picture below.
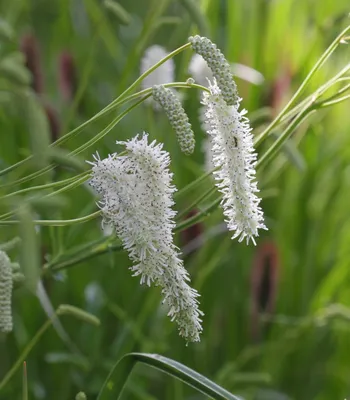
{"points": [[219, 66], [177, 117], [6, 285]]}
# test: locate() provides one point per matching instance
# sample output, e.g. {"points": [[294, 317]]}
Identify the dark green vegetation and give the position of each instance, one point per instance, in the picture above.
{"points": [[277, 321]]}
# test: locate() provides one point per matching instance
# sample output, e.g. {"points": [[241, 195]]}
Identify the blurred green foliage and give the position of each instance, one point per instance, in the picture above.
{"points": [[276, 322]]}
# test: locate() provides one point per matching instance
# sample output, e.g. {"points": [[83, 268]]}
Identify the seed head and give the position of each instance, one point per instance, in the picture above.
{"points": [[219, 66], [177, 117], [6, 285]]}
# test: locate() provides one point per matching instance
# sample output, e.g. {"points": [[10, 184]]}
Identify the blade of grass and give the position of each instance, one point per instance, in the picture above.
{"points": [[118, 376]]}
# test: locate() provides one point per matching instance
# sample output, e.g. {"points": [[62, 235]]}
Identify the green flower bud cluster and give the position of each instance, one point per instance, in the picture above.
{"points": [[177, 117], [6, 285], [219, 66]]}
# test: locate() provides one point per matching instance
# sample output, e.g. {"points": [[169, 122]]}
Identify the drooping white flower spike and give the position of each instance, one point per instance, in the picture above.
{"points": [[235, 158], [6, 285], [165, 73], [137, 200], [177, 117]]}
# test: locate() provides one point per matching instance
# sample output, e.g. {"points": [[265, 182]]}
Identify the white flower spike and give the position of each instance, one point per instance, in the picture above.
{"points": [[137, 200], [235, 158]]}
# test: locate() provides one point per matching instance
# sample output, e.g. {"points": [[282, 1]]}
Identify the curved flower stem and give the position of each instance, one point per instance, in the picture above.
{"points": [[93, 251], [26, 178], [46, 186], [319, 92], [340, 91], [99, 248], [92, 141], [204, 196], [59, 222], [24, 354], [154, 67], [118, 101], [198, 217], [328, 102], [146, 93], [72, 185], [193, 184], [273, 149], [316, 67], [310, 108], [184, 85]]}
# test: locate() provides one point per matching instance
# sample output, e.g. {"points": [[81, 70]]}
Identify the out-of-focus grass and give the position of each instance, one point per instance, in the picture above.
{"points": [[300, 351]]}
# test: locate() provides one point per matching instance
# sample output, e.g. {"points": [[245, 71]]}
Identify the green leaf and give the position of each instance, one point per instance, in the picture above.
{"points": [[118, 376]]}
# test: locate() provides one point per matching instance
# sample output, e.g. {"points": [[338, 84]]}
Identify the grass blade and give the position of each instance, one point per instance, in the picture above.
{"points": [[117, 378]]}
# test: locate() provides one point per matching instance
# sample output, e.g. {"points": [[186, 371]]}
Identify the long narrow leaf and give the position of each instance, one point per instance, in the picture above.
{"points": [[118, 376]]}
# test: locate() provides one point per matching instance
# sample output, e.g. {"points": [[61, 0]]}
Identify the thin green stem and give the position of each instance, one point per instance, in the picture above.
{"points": [[198, 217], [328, 103], [115, 103], [154, 67], [109, 127], [273, 149], [95, 251], [29, 177], [318, 93], [106, 247], [59, 222], [341, 91], [193, 184], [146, 93], [204, 196], [72, 185], [92, 141], [24, 354], [308, 109], [184, 85], [338, 78], [46, 186], [306, 81]]}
